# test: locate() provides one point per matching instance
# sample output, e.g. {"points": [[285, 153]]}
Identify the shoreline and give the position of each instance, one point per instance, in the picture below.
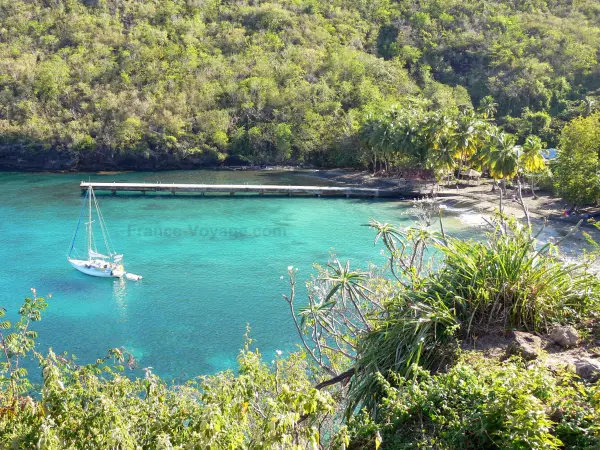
{"points": [[479, 198]]}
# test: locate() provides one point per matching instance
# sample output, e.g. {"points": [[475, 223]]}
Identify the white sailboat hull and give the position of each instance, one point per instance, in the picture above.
{"points": [[103, 265], [89, 268]]}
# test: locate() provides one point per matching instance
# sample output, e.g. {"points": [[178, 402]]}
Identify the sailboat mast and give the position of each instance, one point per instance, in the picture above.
{"points": [[90, 193]]}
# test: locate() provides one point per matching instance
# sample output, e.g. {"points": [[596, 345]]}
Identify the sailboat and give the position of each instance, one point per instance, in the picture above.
{"points": [[106, 265]]}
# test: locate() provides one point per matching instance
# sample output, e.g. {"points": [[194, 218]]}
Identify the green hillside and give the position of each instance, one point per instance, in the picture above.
{"points": [[173, 83]]}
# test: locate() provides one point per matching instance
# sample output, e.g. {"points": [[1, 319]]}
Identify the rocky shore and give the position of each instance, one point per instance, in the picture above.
{"points": [[51, 160]]}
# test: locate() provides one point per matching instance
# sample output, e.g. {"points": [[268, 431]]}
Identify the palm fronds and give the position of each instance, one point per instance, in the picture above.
{"points": [[505, 282]]}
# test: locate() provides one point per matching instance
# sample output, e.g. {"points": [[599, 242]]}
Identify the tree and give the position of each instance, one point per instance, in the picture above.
{"points": [[439, 138], [531, 160], [501, 157], [442, 157], [376, 134], [466, 139], [577, 169], [410, 141], [488, 107]]}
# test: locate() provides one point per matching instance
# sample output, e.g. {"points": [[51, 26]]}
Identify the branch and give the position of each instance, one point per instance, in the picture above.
{"points": [[338, 379], [522, 203], [290, 301], [347, 355], [316, 330]]}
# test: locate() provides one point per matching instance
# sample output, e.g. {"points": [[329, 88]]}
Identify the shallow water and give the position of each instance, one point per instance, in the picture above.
{"points": [[211, 265]]}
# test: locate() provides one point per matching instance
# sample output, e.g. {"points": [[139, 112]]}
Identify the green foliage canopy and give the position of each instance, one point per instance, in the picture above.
{"points": [[577, 170], [280, 81]]}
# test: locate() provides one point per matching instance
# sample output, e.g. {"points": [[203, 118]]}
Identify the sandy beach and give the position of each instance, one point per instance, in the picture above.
{"points": [[480, 197]]}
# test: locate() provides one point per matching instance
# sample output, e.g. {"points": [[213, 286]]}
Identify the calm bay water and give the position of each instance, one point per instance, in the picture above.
{"points": [[211, 264]]}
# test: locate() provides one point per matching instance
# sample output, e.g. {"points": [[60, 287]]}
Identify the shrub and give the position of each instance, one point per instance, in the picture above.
{"points": [[98, 407], [509, 281], [480, 403], [505, 282], [577, 167]]}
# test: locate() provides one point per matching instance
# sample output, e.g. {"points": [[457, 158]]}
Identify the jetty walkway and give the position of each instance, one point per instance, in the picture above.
{"points": [[231, 189]]}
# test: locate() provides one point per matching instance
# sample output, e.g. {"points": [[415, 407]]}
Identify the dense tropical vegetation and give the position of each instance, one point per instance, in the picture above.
{"points": [[578, 168], [101, 83], [432, 86], [382, 362]]}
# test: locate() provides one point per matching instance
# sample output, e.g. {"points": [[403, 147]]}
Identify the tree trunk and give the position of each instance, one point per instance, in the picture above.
{"points": [[374, 163]]}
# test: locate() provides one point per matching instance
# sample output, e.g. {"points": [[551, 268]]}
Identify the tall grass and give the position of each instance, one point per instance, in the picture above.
{"points": [[505, 282]]}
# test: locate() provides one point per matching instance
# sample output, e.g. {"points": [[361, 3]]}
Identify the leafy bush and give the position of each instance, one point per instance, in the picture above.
{"points": [[98, 407], [577, 168], [482, 403], [505, 282]]}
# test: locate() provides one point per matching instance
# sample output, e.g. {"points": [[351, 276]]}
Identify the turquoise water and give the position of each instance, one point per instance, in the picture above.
{"points": [[211, 265]]}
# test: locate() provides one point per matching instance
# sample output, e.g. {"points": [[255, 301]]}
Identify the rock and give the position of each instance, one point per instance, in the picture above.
{"points": [[565, 336], [588, 369], [526, 345]]}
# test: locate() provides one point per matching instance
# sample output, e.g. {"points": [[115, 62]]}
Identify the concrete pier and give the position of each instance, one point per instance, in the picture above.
{"points": [[231, 189]]}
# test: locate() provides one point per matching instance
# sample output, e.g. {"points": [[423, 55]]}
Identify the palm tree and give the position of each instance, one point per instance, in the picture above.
{"points": [[466, 138], [366, 134], [387, 138], [487, 107], [488, 135], [437, 128], [411, 139], [531, 160], [375, 134], [502, 158], [441, 158]]}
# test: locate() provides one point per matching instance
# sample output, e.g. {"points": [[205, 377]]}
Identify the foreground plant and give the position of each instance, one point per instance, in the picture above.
{"points": [[481, 403], [364, 329], [346, 304], [506, 282], [16, 342], [98, 407]]}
